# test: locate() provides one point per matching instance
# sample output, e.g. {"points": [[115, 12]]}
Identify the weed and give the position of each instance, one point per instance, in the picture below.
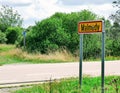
{"points": [[115, 83]]}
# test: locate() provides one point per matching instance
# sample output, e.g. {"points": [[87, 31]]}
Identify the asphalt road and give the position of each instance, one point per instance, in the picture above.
{"points": [[39, 72]]}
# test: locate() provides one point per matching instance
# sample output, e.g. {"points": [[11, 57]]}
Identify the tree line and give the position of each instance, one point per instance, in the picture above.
{"points": [[60, 31]]}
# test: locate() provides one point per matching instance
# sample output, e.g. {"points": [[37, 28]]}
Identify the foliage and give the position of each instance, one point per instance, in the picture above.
{"points": [[10, 24], [12, 34], [3, 38], [116, 17], [113, 42], [9, 18], [60, 32]]}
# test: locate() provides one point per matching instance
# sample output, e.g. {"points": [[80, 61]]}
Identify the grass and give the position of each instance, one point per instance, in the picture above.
{"points": [[71, 85], [10, 54], [5, 48]]}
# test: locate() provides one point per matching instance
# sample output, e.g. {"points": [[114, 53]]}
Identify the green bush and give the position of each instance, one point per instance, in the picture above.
{"points": [[3, 38], [60, 31], [42, 36], [12, 34]]}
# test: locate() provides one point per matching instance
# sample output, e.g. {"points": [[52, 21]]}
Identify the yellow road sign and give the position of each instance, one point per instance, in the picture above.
{"points": [[89, 27]]}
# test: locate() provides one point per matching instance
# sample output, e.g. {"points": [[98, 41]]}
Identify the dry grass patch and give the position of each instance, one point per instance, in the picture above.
{"points": [[17, 53]]}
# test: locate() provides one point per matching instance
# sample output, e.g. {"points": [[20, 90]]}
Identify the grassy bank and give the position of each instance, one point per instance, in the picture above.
{"points": [[90, 85], [10, 54]]}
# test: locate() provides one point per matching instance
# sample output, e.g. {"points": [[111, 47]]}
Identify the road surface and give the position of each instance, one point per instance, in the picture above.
{"points": [[39, 72]]}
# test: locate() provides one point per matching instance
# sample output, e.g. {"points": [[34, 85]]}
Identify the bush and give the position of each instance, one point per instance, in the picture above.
{"points": [[42, 36], [12, 34], [60, 32], [3, 38]]}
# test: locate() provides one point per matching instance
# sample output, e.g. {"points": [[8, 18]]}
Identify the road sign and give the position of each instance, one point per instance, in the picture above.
{"points": [[89, 27], [24, 33]]}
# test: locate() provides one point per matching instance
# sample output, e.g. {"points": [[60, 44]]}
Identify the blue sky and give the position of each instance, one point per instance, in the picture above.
{"points": [[36, 10]]}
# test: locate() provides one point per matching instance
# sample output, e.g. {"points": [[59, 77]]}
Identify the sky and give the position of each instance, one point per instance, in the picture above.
{"points": [[36, 10]]}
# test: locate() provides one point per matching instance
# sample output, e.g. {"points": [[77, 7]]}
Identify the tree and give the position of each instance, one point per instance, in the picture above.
{"points": [[116, 17], [114, 33], [9, 18], [114, 41]]}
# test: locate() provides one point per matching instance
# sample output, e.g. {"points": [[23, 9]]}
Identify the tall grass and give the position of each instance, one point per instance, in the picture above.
{"points": [[10, 54], [16, 55], [58, 55], [5, 48]]}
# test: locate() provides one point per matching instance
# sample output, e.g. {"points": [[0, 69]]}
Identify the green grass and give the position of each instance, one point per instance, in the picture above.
{"points": [[90, 85], [5, 48], [9, 54]]}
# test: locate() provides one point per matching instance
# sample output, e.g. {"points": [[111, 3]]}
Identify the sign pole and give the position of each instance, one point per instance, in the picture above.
{"points": [[24, 36], [81, 58], [24, 41], [103, 60], [87, 27]]}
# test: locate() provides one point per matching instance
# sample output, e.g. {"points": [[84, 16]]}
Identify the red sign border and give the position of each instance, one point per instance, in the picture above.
{"points": [[89, 31]]}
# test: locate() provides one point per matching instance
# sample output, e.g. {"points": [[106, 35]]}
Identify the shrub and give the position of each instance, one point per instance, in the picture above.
{"points": [[12, 34], [57, 32], [3, 38]]}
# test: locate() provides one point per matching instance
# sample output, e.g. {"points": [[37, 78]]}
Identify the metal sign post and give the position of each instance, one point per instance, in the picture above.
{"points": [[24, 35], [81, 58], [88, 27], [103, 59]]}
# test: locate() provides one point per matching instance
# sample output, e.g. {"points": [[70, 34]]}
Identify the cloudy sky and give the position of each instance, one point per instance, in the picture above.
{"points": [[36, 10]]}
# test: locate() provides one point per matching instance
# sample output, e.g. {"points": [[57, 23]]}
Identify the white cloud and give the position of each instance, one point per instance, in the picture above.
{"points": [[16, 2], [81, 2], [104, 10], [36, 10]]}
